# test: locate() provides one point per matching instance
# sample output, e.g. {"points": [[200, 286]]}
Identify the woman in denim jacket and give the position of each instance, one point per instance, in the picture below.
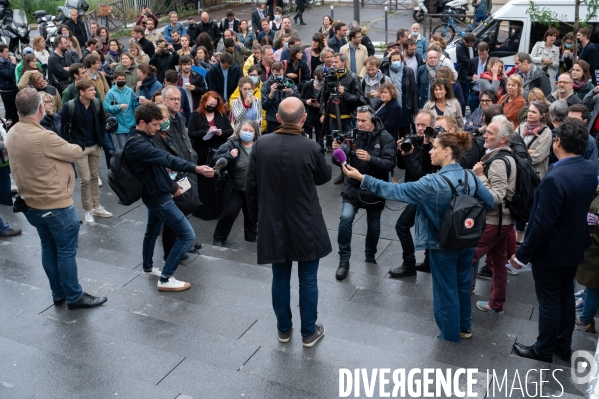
{"points": [[451, 269]]}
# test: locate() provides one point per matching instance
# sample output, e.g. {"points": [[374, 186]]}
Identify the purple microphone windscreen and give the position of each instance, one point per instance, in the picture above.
{"points": [[339, 155]]}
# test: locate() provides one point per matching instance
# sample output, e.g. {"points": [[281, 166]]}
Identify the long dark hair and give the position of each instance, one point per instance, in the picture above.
{"points": [[205, 41]]}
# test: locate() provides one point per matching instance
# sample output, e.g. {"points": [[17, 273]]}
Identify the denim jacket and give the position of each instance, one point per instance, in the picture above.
{"points": [[432, 194]]}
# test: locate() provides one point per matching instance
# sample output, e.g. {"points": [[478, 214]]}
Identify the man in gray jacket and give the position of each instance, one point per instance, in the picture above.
{"points": [[532, 76]]}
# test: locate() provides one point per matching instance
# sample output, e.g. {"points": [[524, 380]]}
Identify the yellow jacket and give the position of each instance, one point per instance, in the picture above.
{"points": [[248, 64], [257, 94]]}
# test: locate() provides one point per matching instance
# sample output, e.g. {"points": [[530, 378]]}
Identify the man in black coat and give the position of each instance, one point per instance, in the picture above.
{"points": [[58, 64], [257, 15], [8, 83], [149, 164], [164, 59], [139, 34], [374, 155], [193, 83], [465, 50], [209, 26], [224, 76], [556, 238], [588, 52], [292, 226]]}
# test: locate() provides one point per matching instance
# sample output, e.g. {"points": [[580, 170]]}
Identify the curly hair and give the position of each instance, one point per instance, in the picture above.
{"points": [[220, 106], [446, 85]]}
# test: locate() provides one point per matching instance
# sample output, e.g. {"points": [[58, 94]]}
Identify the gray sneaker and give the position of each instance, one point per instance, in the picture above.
{"points": [[284, 337], [313, 339]]}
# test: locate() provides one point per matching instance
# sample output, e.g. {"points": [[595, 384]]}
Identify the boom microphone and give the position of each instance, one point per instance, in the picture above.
{"points": [[340, 156], [220, 164]]}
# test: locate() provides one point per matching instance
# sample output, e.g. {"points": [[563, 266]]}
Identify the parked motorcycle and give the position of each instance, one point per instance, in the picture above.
{"points": [[48, 29], [448, 7], [15, 31]]}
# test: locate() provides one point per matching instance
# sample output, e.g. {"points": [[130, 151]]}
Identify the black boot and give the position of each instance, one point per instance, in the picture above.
{"points": [[342, 270], [425, 266], [302, 20], [404, 270], [295, 18]]}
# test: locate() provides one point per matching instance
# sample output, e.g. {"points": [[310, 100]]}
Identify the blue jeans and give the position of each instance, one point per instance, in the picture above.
{"points": [[473, 100], [167, 213], [452, 277], [4, 227], [373, 219], [120, 139], [5, 193], [308, 295], [346, 124], [108, 146], [59, 233], [591, 305]]}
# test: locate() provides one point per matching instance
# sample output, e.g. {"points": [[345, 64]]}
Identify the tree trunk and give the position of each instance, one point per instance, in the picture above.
{"points": [[576, 26]]}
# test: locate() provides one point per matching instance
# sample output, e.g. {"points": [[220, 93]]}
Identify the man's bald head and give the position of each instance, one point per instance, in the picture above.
{"points": [[291, 112]]}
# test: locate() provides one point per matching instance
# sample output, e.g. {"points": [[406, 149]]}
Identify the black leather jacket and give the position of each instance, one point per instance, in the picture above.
{"points": [[352, 97]]}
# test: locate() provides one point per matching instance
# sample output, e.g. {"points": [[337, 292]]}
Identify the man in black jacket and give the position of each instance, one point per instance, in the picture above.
{"points": [[556, 238], [276, 89], [476, 67], [209, 26], [465, 50], [8, 83], [164, 59], [410, 161], [374, 155], [150, 164], [257, 15], [139, 34], [193, 83], [532, 76], [86, 127], [588, 52], [58, 64], [224, 76]]}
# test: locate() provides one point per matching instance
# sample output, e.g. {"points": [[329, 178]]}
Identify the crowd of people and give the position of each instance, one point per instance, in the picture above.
{"points": [[250, 93]]}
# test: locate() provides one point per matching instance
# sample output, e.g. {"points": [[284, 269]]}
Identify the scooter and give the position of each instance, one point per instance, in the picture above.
{"points": [[47, 28], [15, 31], [455, 6]]}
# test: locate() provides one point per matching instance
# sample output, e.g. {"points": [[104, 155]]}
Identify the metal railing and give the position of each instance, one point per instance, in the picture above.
{"points": [[111, 15]]}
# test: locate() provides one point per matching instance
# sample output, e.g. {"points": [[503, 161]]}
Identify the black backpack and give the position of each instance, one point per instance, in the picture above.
{"points": [[464, 219], [127, 187], [527, 181]]}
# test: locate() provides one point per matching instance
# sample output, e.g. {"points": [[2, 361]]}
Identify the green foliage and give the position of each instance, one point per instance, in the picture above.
{"points": [[30, 6], [120, 33], [549, 17]]}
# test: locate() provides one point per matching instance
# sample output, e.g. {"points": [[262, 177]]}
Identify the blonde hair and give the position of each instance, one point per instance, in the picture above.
{"points": [[517, 80], [537, 94]]}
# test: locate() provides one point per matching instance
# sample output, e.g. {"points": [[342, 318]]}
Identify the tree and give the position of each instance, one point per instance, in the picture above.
{"points": [[549, 17]]}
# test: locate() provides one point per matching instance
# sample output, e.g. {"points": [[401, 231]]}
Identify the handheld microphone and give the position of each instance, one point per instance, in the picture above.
{"points": [[340, 156], [220, 164]]}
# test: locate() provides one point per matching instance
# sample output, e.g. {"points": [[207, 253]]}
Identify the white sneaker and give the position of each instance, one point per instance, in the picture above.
{"points": [[173, 285], [154, 272], [511, 269], [101, 212], [89, 217], [99, 182]]}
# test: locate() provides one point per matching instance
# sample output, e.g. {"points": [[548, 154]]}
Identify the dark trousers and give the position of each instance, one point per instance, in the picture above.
{"points": [[236, 203], [10, 108], [301, 5], [466, 90], [402, 227], [555, 292], [271, 126]]}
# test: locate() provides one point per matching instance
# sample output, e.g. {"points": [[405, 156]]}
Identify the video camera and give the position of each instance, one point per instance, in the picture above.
{"points": [[349, 139], [282, 82], [331, 80]]}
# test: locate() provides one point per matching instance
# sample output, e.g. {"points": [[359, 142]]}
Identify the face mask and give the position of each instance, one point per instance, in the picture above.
{"points": [[165, 125], [396, 64], [277, 17], [318, 82], [121, 83], [246, 137], [569, 45], [173, 175], [65, 35], [255, 79], [414, 33], [210, 108]]}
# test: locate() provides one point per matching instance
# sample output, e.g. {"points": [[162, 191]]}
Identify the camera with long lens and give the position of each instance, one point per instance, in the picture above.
{"points": [[408, 142], [432, 132], [282, 82]]}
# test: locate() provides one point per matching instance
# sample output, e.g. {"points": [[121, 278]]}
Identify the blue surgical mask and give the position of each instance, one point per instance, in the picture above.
{"points": [[396, 64], [173, 175], [277, 17], [569, 45], [414, 33], [318, 82], [246, 137], [286, 45], [255, 79]]}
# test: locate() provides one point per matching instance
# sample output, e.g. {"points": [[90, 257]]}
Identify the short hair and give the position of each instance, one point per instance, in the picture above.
{"points": [[83, 85], [517, 79], [256, 68], [522, 56], [139, 29], [551, 32], [172, 12], [278, 10], [483, 46], [257, 46], [264, 48], [586, 32], [584, 111], [244, 122], [160, 41], [324, 51], [446, 85], [449, 120], [558, 111], [445, 72], [148, 112], [118, 73], [408, 42], [90, 60], [265, 19], [226, 58], [573, 135], [506, 128], [459, 142], [184, 60], [369, 110], [391, 88], [394, 53], [440, 41], [74, 69], [293, 117], [28, 100], [354, 32], [3, 47], [469, 38], [230, 13], [430, 115], [277, 66], [228, 42], [401, 33], [536, 94], [169, 88], [339, 25], [372, 60], [171, 76], [492, 112], [90, 41], [341, 56], [491, 94]]}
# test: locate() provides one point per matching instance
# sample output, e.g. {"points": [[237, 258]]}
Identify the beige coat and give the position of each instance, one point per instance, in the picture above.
{"points": [[500, 186], [40, 163], [541, 147], [361, 56], [453, 108], [101, 84]]}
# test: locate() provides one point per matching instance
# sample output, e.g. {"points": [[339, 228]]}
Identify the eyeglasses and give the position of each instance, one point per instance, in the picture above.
{"points": [[49, 102], [485, 101], [564, 83], [176, 100]]}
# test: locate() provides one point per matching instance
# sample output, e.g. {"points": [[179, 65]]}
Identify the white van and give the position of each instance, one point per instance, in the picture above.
{"points": [[506, 22]]}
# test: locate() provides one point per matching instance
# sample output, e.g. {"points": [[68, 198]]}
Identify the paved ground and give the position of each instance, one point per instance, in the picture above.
{"points": [[218, 340]]}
